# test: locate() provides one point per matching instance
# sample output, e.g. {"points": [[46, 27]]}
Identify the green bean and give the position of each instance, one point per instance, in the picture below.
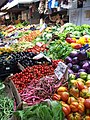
{"points": [[6, 107]]}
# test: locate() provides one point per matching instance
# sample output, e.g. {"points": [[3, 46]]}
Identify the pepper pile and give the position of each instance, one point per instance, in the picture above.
{"points": [[75, 98]]}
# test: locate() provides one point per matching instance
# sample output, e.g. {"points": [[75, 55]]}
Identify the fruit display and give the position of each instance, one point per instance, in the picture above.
{"points": [[4, 49], [21, 46]]}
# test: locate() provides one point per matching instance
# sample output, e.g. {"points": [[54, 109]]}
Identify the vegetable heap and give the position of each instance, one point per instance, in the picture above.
{"points": [[78, 61], [30, 37], [58, 50], [22, 79], [51, 110], [75, 99], [39, 90], [6, 104]]}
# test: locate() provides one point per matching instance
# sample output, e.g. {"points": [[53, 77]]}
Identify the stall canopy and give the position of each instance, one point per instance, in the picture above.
{"points": [[2, 13], [13, 3], [3, 2]]}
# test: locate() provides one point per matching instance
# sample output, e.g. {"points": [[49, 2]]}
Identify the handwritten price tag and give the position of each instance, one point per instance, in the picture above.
{"points": [[60, 70]]}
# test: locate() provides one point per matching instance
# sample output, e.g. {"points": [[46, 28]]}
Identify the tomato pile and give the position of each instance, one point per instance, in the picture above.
{"points": [[37, 49], [22, 79], [75, 99]]}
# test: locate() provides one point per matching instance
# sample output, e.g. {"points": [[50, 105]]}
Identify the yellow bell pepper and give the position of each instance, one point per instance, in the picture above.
{"points": [[81, 40]]}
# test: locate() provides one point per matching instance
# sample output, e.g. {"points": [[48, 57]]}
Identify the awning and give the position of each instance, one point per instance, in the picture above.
{"points": [[2, 13], [10, 5], [27, 1], [16, 2]]}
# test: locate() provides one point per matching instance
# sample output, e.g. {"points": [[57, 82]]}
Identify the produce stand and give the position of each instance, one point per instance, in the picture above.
{"points": [[54, 66]]}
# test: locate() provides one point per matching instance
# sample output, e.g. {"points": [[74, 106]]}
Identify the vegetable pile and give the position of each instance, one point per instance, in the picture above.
{"points": [[51, 110], [37, 49], [22, 79], [75, 99], [78, 61], [39, 90], [30, 37], [58, 50], [6, 104]]}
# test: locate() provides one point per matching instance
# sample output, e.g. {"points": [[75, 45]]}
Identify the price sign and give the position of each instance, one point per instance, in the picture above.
{"points": [[41, 55], [60, 70]]}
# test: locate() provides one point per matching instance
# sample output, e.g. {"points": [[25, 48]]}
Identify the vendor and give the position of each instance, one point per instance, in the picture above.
{"points": [[56, 19]]}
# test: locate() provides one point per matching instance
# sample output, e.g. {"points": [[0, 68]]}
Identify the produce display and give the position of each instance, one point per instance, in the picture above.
{"points": [[47, 96], [21, 46], [30, 37], [58, 50], [78, 61], [22, 79], [51, 110], [6, 104], [75, 98], [38, 48]]}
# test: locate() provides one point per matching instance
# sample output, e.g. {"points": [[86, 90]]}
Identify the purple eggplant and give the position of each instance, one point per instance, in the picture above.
{"points": [[73, 54], [78, 75], [75, 68], [69, 65], [68, 60], [85, 66], [82, 55], [75, 60], [70, 71]]}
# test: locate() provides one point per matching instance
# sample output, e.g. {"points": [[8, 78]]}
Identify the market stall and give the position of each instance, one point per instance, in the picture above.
{"points": [[45, 72], [48, 68]]}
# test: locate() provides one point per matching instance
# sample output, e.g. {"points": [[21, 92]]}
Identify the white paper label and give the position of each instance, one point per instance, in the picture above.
{"points": [[41, 55], [39, 44], [60, 70]]}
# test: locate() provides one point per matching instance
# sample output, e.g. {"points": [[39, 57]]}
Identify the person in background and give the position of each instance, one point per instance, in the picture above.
{"points": [[56, 19]]}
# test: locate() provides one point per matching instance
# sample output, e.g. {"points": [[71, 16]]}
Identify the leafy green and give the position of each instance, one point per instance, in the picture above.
{"points": [[43, 111]]}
